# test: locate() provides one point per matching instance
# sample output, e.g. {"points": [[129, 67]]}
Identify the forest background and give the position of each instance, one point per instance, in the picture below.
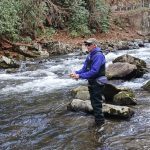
{"points": [[25, 21]]}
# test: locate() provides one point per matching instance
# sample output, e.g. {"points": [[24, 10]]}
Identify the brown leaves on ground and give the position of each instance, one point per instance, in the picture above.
{"points": [[115, 34]]}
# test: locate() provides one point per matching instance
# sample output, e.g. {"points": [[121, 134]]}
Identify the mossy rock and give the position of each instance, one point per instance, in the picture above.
{"points": [[124, 98], [128, 90], [109, 92]]}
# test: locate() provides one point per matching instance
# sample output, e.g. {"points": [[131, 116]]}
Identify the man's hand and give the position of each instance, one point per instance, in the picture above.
{"points": [[74, 76]]}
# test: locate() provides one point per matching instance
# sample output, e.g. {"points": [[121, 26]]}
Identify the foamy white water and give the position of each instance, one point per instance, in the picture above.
{"points": [[43, 85], [53, 74]]}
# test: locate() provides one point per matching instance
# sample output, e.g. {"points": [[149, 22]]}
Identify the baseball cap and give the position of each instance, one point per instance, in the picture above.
{"points": [[91, 41]]}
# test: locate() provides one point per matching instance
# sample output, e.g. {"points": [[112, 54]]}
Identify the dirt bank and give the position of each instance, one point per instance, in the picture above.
{"points": [[115, 34]]}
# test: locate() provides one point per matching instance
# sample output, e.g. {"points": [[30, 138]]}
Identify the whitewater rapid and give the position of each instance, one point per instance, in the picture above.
{"points": [[53, 74]]}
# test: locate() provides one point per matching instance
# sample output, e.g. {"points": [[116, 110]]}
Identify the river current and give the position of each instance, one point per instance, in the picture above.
{"points": [[33, 112]]}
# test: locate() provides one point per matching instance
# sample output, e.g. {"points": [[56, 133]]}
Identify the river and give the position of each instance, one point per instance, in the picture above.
{"points": [[33, 113]]}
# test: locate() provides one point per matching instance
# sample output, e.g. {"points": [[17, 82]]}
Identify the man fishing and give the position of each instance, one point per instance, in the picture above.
{"points": [[93, 70]]}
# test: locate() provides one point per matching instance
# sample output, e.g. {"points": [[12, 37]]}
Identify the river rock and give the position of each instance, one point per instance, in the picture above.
{"points": [[24, 50], [147, 86], [80, 105], [12, 70], [123, 45], [121, 71], [140, 42], [81, 92], [110, 110], [117, 111], [79, 88], [32, 51], [57, 48], [133, 45], [109, 92], [42, 52], [6, 62], [140, 64], [84, 95], [124, 98]]}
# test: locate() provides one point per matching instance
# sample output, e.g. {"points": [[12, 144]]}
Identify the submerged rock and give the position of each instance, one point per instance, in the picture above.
{"points": [[108, 109]]}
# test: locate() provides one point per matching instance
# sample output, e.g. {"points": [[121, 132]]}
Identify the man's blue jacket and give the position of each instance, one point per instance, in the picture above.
{"points": [[98, 59]]}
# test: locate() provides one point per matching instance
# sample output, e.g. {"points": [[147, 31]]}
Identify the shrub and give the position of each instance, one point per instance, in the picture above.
{"points": [[9, 19], [48, 32], [99, 15], [32, 16], [24, 18], [78, 21], [19, 16]]}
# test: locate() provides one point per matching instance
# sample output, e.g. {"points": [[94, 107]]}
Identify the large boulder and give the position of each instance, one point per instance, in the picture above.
{"points": [[140, 64], [109, 110], [121, 71], [6, 62], [146, 86]]}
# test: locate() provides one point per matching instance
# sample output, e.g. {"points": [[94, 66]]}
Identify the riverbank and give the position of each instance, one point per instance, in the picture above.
{"points": [[114, 34], [61, 43]]}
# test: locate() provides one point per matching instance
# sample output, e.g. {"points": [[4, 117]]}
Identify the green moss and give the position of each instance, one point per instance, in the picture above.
{"points": [[124, 98]]}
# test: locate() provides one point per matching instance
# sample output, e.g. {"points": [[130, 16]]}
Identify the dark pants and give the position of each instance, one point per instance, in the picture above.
{"points": [[95, 91]]}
